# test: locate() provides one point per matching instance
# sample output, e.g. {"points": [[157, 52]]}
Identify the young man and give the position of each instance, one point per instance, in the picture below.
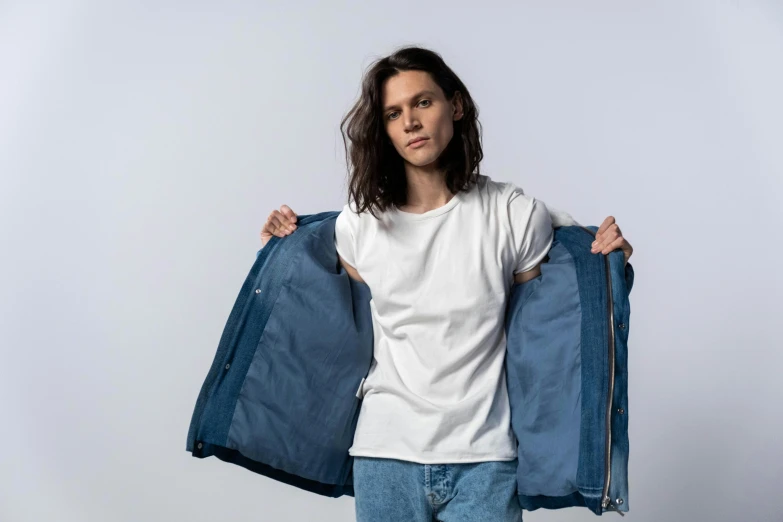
{"points": [[433, 439]]}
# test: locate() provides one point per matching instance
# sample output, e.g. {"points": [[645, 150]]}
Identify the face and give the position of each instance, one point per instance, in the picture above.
{"points": [[415, 106]]}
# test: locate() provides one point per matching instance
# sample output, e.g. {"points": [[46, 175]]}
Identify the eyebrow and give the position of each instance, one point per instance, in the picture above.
{"points": [[417, 95]]}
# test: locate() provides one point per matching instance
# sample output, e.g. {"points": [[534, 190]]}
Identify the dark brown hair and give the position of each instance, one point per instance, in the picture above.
{"points": [[376, 170]]}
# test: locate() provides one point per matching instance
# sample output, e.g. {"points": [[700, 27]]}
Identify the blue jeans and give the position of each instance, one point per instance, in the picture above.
{"points": [[391, 490]]}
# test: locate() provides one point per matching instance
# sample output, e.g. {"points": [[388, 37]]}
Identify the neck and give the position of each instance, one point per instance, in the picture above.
{"points": [[426, 191]]}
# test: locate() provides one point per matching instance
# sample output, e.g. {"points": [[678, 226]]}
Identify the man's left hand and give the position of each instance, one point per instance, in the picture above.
{"points": [[609, 238]]}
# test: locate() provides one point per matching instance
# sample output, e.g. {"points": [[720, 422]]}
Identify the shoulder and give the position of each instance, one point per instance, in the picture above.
{"points": [[514, 198], [348, 212], [524, 210], [509, 195], [349, 220], [509, 200], [495, 192]]}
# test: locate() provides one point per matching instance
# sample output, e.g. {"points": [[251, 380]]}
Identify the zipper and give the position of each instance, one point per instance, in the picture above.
{"points": [[607, 503]]}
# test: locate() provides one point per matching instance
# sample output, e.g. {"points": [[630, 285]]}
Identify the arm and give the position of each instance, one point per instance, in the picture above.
{"points": [[521, 277], [351, 270]]}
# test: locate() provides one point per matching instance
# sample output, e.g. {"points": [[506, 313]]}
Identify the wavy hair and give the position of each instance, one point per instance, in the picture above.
{"points": [[375, 168]]}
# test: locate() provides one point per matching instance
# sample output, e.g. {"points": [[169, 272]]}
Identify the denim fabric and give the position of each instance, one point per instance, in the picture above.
{"points": [[544, 377], [391, 490], [280, 397], [559, 348]]}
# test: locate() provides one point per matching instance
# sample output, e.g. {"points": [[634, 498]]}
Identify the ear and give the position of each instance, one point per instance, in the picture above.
{"points": [[457, 104]]}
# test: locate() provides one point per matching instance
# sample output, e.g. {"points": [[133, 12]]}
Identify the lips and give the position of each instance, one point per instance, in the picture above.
{"points": [[416, 140]]}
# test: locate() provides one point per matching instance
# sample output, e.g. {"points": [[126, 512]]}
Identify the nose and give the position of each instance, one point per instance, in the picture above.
{"points": [[410, 122]]}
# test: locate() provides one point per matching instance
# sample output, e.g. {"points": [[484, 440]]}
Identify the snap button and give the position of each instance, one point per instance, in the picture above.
{"points": [[199, 445], [227, 366], [622, 326], [620, 411], [618, 501], [258, 290]]}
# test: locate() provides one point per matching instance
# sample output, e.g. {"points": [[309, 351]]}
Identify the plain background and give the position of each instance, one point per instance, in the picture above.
{"points": [[144, 144]]}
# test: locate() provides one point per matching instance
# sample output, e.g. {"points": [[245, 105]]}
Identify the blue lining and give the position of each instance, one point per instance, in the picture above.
{"points": [[285, 408]]}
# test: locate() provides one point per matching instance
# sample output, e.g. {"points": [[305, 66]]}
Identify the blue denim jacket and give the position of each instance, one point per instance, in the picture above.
{"points": [[280, 398]]}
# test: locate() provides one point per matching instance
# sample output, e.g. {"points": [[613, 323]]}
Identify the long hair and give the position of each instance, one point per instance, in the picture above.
{"points": [[376, 170]]}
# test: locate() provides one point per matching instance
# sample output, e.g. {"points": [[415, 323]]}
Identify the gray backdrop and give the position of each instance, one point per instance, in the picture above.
{"points": [[143, 144]]}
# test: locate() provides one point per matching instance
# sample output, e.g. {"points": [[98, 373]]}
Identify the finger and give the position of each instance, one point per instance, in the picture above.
{"points": [[279, 224], [272, 224], [613, 245], [282, 220], [605, 225], [609, 236], [288, 213]]}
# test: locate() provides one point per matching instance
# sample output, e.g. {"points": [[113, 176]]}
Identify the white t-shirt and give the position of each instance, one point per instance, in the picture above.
{"points": [[436, 388]]}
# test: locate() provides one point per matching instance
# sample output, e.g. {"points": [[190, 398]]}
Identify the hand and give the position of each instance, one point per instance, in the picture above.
{"points": [[280, 223], [609, 238]]}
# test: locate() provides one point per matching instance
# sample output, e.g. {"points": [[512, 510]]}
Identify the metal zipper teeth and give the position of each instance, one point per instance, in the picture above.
{"points": [[606, 501]]}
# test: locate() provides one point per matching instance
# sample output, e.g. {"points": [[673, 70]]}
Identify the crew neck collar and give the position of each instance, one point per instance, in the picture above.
{"points": [[412, 216]]}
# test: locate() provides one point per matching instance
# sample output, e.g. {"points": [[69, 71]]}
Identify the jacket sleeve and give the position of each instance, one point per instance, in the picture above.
{"points": [[532, 229]]}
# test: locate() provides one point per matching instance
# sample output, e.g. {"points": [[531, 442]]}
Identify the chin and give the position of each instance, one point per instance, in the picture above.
{"points": [[421, 161], [425, 163]]}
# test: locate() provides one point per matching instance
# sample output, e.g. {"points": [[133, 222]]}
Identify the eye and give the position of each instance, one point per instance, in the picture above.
{"points": [[388, 117]]}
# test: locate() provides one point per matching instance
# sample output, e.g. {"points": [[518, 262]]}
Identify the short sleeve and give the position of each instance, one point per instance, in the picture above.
{"points": [[345, 233], [532, 230]]}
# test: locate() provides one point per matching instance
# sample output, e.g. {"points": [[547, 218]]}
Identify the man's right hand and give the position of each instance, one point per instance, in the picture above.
{"points": [[280, 223]]}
